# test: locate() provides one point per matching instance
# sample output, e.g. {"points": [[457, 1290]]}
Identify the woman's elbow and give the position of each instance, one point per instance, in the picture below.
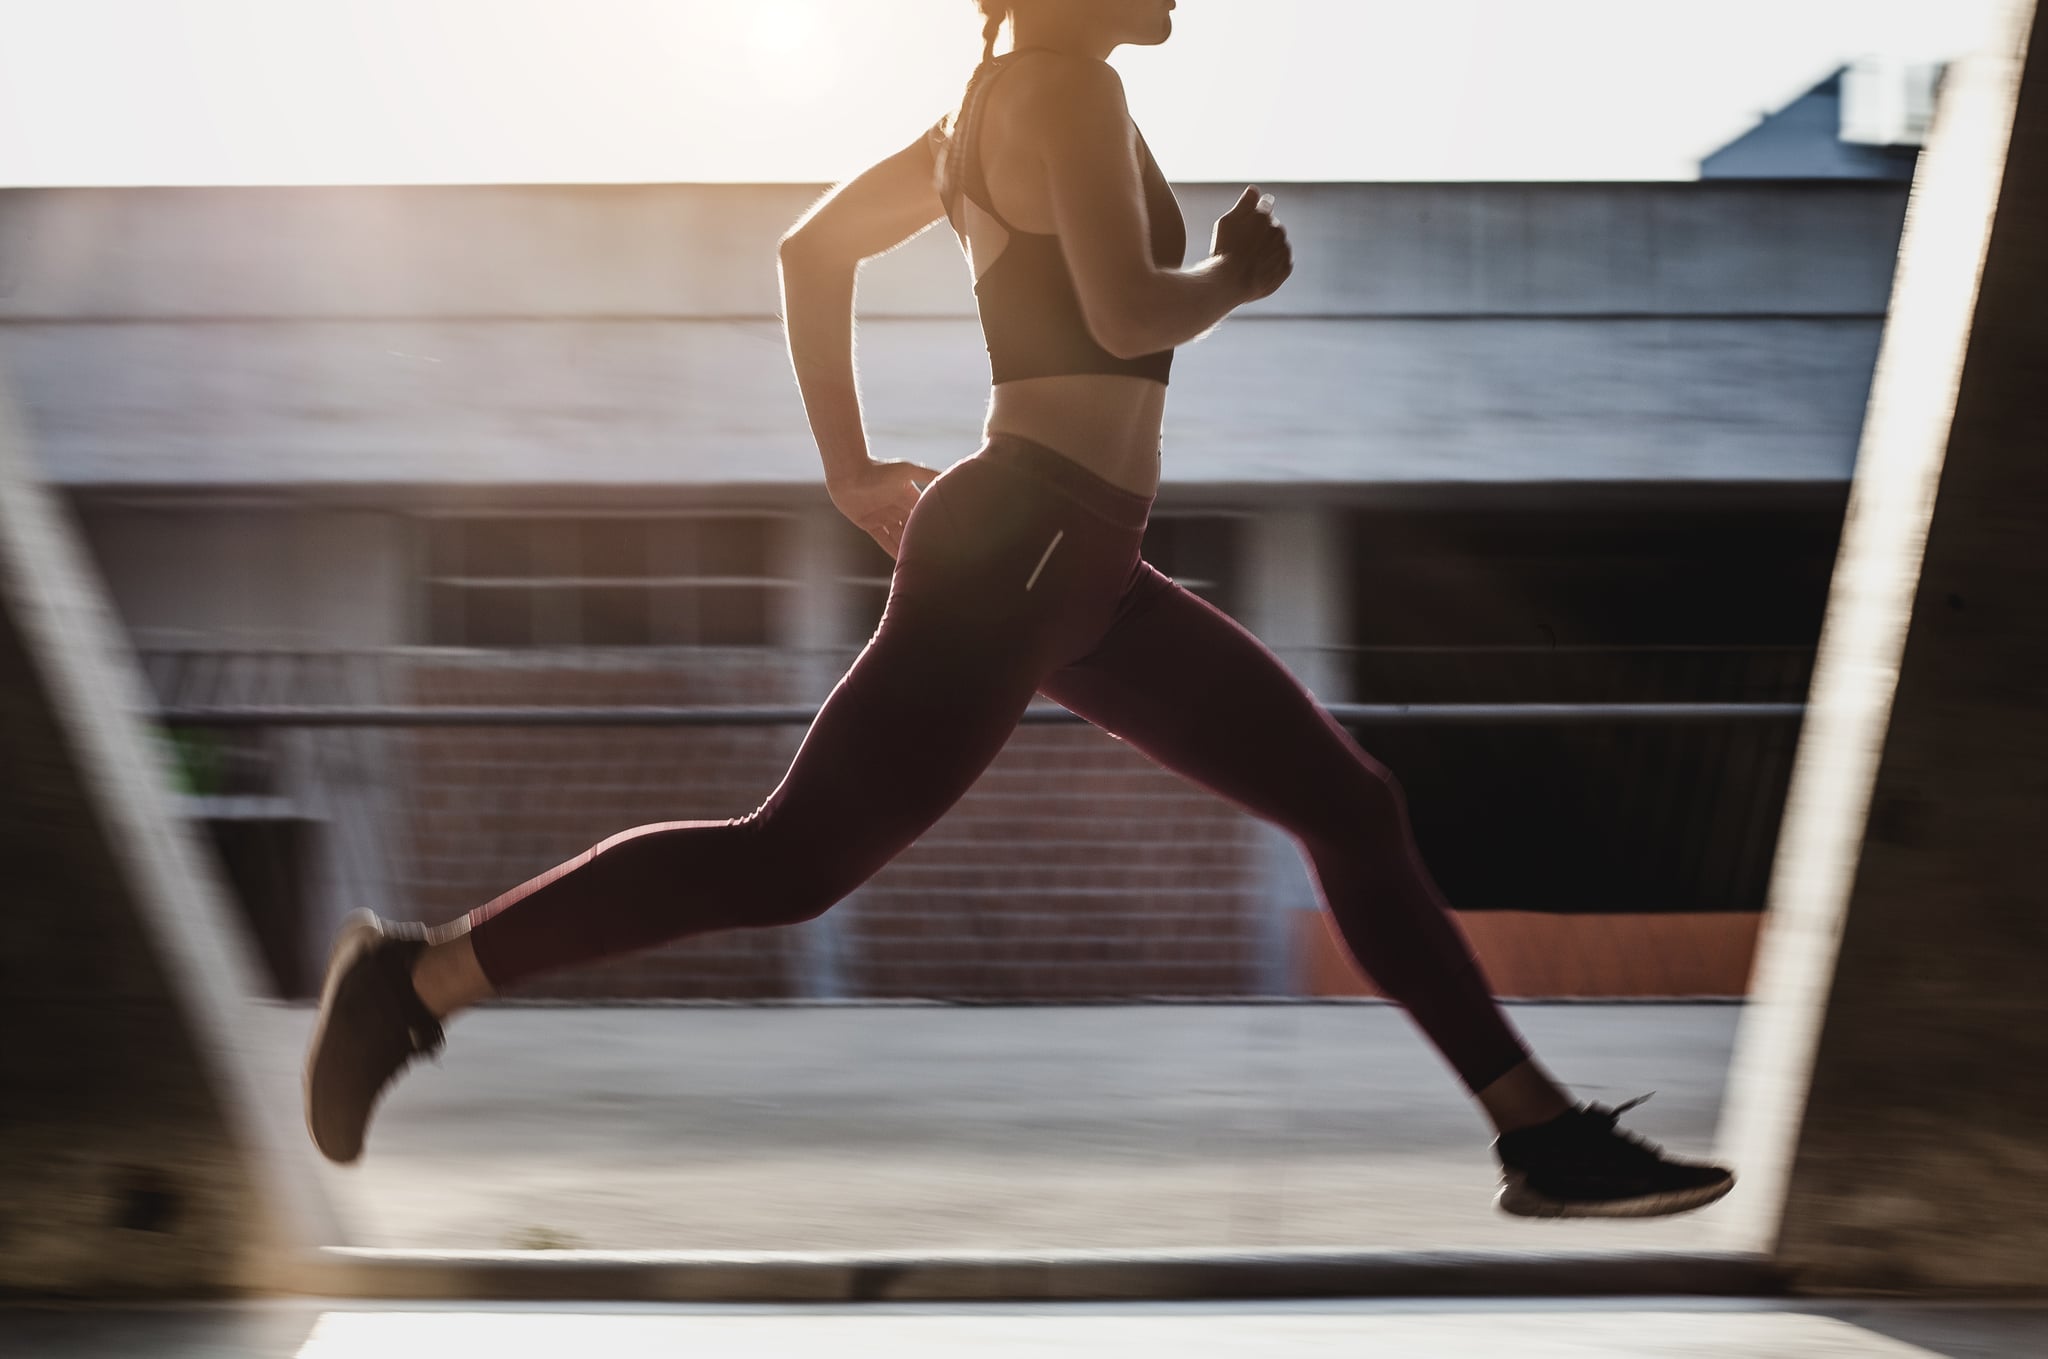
{"points": [[794, 247], [1120, 335], [1123, 318], [807, 249]]}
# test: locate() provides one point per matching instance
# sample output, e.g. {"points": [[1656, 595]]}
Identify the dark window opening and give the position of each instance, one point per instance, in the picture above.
{"points": [[1665, 602], [603, 580]]}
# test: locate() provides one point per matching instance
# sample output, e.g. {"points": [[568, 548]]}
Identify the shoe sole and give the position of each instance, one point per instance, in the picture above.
{"points": [[1517, 1198], [348, 943]]}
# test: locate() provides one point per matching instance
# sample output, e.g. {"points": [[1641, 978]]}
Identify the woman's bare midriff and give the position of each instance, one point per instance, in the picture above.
{"points": [[1107, 422]]}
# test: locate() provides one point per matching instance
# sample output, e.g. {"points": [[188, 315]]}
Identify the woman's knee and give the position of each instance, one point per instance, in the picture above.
{"points": [[794, 903], [741, 873], [1367, 769], [1368, 804], [787, 883]]}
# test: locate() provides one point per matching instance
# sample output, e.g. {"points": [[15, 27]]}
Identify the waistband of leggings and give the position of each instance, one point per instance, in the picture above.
{"points": [[1104, 499]]}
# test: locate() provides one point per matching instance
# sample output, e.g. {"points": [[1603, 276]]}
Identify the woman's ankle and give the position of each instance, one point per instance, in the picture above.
{"points": [[1522, 1098], [447, 977]]}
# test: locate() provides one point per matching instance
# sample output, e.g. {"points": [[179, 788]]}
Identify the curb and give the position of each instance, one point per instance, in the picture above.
{"points": [[911, 1276]]}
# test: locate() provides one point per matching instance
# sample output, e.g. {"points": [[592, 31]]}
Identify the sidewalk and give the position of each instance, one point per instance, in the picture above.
{"points": [[1644, 1328], [853, 1128]]}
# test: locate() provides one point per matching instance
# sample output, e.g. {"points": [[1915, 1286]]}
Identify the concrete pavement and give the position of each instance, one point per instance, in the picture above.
{"points": [[990, 1129], [1011, 1130]]}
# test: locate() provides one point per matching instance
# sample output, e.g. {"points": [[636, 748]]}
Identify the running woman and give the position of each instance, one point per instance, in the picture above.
{"points": [[1017, 572]]}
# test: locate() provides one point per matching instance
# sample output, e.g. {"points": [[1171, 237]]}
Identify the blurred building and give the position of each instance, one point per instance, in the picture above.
{"points": [[1558, 443], [1865, 120]]}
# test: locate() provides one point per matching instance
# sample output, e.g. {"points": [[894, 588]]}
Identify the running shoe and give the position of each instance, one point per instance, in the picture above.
{"points": [[372, 1023], [1580, 1164]]}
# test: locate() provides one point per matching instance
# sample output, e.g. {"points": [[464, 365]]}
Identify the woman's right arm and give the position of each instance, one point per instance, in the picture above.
{"points": [[1081, 129], [872, 213]]}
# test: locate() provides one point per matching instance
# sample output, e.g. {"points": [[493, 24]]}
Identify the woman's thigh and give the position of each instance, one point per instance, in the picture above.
{"points": [[905, 732], [980, 610], [1194, 690]]}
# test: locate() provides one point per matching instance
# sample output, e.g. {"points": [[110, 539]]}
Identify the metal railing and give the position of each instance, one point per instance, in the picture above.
{"points": [[550, 715], [1665, 803]]}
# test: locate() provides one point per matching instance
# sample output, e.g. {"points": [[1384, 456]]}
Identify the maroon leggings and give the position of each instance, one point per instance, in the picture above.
{"points": [[1020, 573]]}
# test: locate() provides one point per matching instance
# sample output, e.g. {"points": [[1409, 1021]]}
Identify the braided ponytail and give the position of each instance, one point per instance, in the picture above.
{"points": [[995, 11]]}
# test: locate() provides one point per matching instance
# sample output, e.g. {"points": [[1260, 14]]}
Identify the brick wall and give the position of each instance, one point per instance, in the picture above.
{"points": [[491, 806], [1075, 868]]}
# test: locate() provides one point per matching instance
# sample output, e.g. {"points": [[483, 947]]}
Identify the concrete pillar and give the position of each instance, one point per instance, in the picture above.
{"points": [[1297, 589], [1888, 1111], [149, 1142], [1295, 579], [814, 627]]}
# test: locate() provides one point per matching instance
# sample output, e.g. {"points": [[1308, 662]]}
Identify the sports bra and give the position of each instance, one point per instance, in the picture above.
{"points": [[1031, 315]]}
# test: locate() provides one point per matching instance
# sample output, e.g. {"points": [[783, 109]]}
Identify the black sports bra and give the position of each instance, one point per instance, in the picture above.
{"points": [[1031, 315]]}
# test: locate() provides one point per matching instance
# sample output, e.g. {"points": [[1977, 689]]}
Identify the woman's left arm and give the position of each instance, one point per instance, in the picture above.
{"points": [[871, 214]]}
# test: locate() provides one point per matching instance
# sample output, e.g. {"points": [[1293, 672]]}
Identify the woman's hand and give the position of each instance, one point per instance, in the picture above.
{"points": [[1254, 244], [878, 498]]}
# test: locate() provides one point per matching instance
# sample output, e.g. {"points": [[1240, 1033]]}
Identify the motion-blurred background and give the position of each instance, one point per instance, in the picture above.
{"points": [[403, 363]]}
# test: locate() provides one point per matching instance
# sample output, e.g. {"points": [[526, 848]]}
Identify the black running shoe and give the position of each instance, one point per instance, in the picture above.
{"points": [[372, 1023], [1580, 1165]]}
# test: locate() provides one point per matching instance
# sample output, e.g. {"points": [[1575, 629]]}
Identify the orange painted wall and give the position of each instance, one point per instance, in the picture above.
{"points": [[1532, 954]]}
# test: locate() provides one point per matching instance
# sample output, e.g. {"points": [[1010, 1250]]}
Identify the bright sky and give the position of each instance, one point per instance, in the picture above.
{"points": [[536, 91]]}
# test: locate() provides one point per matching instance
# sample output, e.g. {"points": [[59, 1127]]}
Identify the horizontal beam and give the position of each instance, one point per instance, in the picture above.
{"points": [[913, 1276], [1351, 714]]}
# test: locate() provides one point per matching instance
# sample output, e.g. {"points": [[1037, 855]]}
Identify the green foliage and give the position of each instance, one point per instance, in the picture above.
{"points": [[196, 760]]}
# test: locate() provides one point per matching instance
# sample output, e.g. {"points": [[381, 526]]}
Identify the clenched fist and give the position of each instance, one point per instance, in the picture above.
{"points": [[1254, 244]]}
